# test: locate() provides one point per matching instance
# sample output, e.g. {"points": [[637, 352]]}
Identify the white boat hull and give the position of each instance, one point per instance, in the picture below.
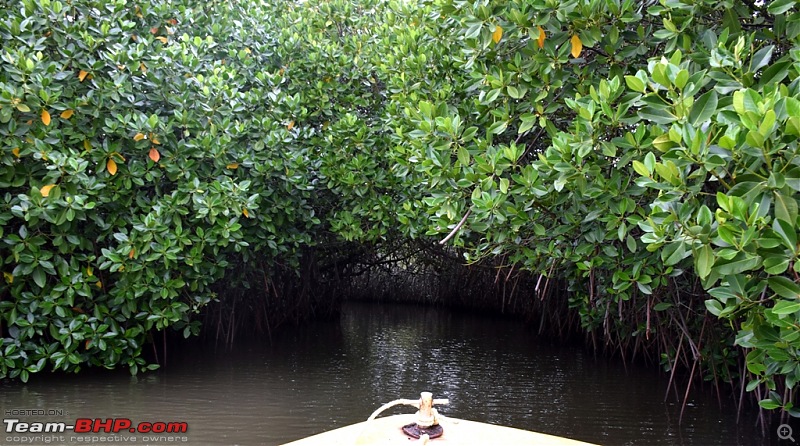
{"points": [[387, 431]]}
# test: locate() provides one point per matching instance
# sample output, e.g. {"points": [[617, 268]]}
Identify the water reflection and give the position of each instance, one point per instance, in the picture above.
{"points": [[331, 374]]}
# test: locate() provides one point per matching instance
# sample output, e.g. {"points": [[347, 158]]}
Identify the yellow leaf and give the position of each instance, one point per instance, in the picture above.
{"points": [[497, 34], [233, 166], [154, 139], [138, 137], [82, 75], [132, 253], [66, 114], [45, 117], [99, 284], [9, 277], [142, 67], [577, 46], [246, 214], [111, 166], [89, 271], [162, 39], [15, 151], [290, 125], [541, 37], [154, 155], [45, 190], [87, 145]]}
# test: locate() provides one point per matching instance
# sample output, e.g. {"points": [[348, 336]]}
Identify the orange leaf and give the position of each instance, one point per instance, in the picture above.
{"points": [[233, 166], [172, 22], [132, 253], [82, 75], [154, 155], [154, 30], [45, 117], [15, 151], [577, 46], [541, 37], [497, 34], [66, 114], [246, 214], [45, 190], [138, 137], [162, 39], [154, 139], [290, 125], [111, 165], [142, 67]]}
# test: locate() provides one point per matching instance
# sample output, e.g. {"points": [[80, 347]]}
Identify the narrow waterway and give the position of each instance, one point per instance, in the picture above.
{"points": [[330, 374]]}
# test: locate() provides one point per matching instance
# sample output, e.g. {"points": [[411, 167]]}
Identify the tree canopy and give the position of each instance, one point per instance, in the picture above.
{"points": [[644, 154]]}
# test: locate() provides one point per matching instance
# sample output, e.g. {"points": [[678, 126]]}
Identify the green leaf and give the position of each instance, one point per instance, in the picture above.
{"points": [[780, 6], [463, 156], [640, 168], [635, 84], [785, 207], [769, 404], [630, 242], [793, 107], [673, 253], [786, 307], [704, 260], [661, 306], [497, 128], [740, 263], [713, 306], [786, 232], [704, 108], [761, 58], [657, 115], [784, 287], [39, 277]]}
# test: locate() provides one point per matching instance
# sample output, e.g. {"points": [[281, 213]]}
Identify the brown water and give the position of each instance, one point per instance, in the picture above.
{"points": [[331, 374]]}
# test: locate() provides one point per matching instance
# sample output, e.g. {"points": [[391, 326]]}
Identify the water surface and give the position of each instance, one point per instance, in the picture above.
{"points": [[330, 374]]}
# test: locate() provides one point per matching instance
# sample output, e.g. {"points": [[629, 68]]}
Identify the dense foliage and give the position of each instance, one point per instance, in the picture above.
{"points": [[643, 154]]}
